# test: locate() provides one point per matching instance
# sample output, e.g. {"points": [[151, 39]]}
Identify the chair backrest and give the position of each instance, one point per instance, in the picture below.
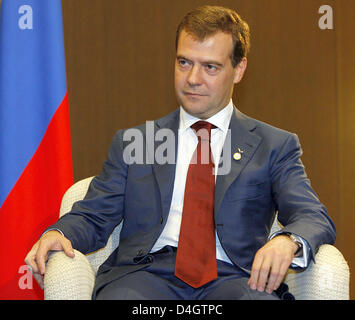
{"points": [[77, 192]]}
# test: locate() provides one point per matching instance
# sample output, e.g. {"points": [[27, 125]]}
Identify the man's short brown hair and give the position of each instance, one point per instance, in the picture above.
{"points": [[205, 21]]}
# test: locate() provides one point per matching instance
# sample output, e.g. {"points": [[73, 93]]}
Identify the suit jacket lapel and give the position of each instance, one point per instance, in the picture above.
{"points": [[165, 173], [242, 137]]}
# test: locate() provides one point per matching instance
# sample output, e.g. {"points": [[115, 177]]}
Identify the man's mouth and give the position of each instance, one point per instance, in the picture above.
{"points": [[194, 94]]}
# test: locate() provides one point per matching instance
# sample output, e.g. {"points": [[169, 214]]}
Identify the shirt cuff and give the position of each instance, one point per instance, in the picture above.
{"points": [[302, 261], [52, 229]]}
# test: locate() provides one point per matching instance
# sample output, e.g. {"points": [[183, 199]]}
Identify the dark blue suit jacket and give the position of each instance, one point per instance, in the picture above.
{"points": [[268, 178]]}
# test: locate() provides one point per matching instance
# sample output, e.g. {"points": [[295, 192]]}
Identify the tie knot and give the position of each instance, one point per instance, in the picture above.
{"points": [[203, 125]]}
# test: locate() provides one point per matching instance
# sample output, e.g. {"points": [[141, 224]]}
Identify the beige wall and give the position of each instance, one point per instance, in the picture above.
{"points": [[120, 73]]}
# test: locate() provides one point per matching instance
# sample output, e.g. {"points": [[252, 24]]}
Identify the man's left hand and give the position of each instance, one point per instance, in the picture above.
{"points": [[271, 263]]}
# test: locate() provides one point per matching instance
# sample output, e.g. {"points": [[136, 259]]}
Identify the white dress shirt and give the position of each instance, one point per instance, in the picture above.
{"points": [[187, 144]]}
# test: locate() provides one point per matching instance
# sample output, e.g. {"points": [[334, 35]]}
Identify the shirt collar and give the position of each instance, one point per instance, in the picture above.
{"points": [[220, 120]]}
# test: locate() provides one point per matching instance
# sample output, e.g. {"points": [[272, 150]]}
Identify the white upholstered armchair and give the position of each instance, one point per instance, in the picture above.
{"points": [[68, 278]]}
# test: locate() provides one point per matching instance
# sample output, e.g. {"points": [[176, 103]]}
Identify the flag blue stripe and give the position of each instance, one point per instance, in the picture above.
{"points": [[32, 82]]}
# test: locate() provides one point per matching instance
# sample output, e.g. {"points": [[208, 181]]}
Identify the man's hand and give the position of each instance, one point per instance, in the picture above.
{"points": [[38, 255], [271, 263]]}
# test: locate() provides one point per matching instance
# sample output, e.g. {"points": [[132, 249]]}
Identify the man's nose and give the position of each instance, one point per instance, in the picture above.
{"points": [[194, 77]]}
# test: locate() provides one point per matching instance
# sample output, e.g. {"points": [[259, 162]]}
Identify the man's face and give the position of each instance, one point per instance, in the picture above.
{"points": [[204, 75]]}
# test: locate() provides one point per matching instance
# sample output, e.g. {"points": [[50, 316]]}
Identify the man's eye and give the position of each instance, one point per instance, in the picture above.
{"points": [[211, 68], [183, 63]]}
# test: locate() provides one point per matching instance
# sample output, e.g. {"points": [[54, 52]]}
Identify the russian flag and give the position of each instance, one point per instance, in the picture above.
{"points": [[35, 159]]}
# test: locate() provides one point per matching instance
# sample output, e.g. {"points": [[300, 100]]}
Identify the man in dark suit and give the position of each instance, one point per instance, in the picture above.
{"points": [[257, 172]]}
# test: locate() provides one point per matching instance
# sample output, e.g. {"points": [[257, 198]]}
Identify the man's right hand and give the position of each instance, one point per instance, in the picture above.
{"points": [[38, 255]]}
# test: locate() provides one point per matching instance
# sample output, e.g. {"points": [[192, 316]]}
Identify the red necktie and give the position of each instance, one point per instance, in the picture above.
{"points": [[196, 262]]}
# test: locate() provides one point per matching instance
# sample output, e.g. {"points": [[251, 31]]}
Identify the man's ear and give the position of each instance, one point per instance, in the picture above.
{"points": [[240, 69]]}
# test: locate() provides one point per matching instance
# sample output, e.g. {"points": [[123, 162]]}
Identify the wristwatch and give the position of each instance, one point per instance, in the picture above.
{"points": [[296, 241]]}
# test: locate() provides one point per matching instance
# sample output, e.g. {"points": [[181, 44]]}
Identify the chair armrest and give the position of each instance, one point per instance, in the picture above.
{"points": [[68, 278], [326, 279]]}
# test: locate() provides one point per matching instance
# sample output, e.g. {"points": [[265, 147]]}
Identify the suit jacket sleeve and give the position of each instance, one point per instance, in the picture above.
{"points": [[299, 208], [91, 221]]}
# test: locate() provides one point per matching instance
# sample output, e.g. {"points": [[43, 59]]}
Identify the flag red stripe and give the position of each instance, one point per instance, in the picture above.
{"points": [[34, 202]]}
